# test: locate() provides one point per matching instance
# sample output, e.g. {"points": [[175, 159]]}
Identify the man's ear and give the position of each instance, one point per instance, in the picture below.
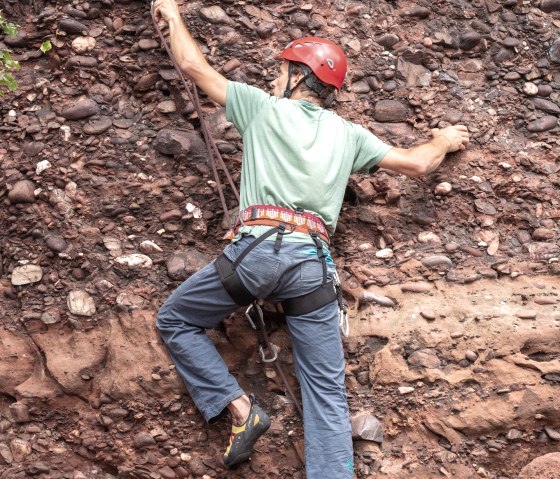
{"points": [[297, 76]]}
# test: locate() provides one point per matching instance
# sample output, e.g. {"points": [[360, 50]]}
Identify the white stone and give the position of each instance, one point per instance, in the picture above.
{"points": [[530, 89], [66, 133], [42, 166], [443, 189], [134, 261], [428, 237], [504, 165], [405, 390], [26, 274], [365, 247], [20, 449], [80, 303], [148, 247], [112, 243], [385, 253], [83, 44]]}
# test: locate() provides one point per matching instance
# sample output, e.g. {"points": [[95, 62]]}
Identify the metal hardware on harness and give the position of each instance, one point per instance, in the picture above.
{"points": [[342, 307], [264, 343]]}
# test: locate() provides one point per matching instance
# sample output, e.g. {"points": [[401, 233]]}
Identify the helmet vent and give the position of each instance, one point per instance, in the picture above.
{"points": [[330, 63]]}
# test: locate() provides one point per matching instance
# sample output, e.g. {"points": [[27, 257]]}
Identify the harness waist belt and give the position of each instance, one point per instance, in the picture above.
{"points": [[267, 215]]}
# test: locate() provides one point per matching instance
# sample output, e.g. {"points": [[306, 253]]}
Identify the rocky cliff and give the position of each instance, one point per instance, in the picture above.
{"points": [[452, 279]]}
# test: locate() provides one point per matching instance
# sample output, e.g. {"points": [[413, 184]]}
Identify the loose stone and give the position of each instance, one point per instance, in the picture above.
{"points": [[367, 427], [81, 109], [134, 261], [530, 89]]}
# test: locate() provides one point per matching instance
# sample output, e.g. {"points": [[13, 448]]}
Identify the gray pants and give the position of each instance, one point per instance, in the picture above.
{"points": [[202, 302]]}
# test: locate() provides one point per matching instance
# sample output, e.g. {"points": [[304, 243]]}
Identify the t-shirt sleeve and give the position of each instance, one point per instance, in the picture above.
{"points": [[370, 150], [243, 103]]}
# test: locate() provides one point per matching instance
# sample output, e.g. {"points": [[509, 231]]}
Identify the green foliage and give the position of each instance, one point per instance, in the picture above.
{"points": [[6, 62], [46, 46], [7, 27]]}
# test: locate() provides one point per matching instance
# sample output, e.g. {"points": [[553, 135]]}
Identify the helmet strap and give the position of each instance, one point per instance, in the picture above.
{"points": [[289, 91]]}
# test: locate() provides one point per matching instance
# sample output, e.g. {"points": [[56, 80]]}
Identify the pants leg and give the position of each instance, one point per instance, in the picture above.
{"points": [[319, 360], [200, 302], [319, 357]]}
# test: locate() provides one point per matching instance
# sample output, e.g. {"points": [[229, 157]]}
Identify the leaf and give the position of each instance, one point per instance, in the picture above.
{"points": [[7, 80], [46, 46]]}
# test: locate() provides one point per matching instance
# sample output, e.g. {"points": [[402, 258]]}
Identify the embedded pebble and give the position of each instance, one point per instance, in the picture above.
{"points": [[80, 303], [22, 192], [405, 390], [42, 166], [471, 356], [26, 274], [526, 314], [385, 253], [134, 261], [370, 297], [435, 261], [83, 44], [443, 189], [149, 247], [419, 287], [425, 358], [428, 315]]}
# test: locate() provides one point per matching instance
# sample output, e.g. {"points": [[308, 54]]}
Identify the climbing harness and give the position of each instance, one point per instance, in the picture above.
{"points": [[214, 155], [329, 290], [267, 215]]}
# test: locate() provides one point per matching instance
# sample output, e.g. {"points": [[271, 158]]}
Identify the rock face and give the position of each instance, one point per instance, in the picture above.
{"points": [[542, 467], [451, 278]]}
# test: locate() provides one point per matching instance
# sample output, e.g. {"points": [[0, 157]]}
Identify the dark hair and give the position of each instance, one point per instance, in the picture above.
{"points": [[313, 86]]}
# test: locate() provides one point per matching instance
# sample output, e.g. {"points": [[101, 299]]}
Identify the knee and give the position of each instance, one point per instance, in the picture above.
{"points": [[166, 319]]}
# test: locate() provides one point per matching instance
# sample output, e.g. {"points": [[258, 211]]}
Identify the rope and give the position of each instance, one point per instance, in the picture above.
{"points": [[213, 152]]}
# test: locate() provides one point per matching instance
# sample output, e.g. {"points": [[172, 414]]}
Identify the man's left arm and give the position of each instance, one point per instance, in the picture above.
{"points": [[190, 59], [424, 159]]}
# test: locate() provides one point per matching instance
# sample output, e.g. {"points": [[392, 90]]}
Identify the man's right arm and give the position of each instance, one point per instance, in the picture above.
{"points": [[424, 159], [190, 59]]}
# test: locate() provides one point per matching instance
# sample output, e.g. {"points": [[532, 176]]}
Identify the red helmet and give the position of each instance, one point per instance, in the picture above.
{"points": [[325, 58]]}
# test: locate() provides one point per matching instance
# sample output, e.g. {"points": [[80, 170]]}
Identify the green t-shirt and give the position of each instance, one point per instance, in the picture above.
{"points": [[297, 154]]}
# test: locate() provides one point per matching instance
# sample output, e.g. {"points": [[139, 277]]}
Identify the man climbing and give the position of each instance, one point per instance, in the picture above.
{"points": [[297, 160]]}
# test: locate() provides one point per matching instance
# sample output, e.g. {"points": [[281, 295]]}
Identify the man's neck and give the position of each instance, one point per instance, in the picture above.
{"points": [[301, 96]]}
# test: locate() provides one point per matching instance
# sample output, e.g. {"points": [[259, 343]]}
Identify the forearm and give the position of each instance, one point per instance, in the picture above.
{"points": [[185, 50], [432, 153]]}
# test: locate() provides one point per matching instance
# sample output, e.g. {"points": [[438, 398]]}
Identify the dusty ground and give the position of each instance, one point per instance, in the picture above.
{"points": [[452, 279]]}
